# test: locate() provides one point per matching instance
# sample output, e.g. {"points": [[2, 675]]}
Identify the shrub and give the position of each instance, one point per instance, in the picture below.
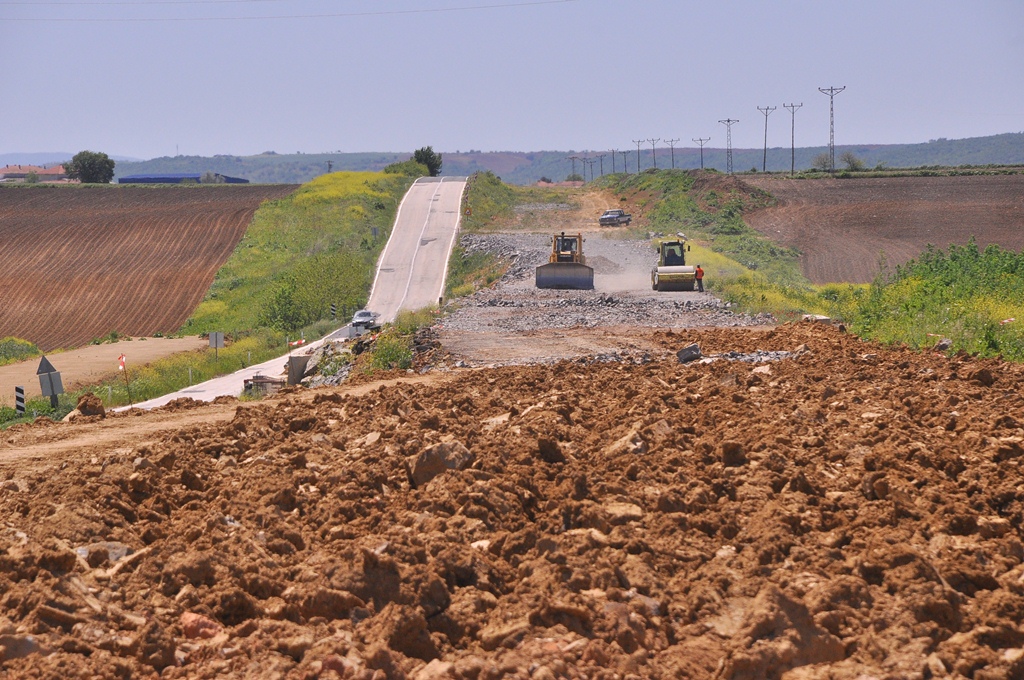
{"points": [[15, 349]]}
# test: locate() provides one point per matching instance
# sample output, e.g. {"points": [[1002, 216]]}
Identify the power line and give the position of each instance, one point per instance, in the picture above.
{"points": [[625, 154], [831, 92], [792, 136], [573, 159], [671, 145], [601, 158], [766, 111], [332, 15], [638, 142], [654, 151], [702, 141], [614, 151], [728, 123]]}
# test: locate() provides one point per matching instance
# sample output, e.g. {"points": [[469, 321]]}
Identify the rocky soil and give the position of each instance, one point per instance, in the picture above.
{"points": [[843, 511]]}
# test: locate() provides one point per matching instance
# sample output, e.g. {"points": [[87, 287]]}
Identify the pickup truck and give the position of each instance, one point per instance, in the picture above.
{"points": [[613, 218]]}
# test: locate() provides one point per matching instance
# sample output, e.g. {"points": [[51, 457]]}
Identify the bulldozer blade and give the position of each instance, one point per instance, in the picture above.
{"points": [[565, 275]]}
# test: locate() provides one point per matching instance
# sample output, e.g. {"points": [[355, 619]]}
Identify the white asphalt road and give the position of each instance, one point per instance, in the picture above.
{"points": [[413, 266], [410, 275]]}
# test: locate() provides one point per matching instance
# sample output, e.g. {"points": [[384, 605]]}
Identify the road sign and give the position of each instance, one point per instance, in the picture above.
{"points": [[216, 340], [45, 367], [49, 381], [19, 399]]}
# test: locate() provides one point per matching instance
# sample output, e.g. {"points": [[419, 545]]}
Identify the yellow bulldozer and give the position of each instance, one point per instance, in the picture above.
{"points": [[567, 265], [672, 272]]}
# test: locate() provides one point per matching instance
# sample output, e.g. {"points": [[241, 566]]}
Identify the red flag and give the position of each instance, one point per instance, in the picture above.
{"points": [[120, 363]]}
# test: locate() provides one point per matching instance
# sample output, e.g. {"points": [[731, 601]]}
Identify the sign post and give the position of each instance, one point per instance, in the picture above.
{"points": [[127, 385], [19, 399], [216, 342], [49, 381]]}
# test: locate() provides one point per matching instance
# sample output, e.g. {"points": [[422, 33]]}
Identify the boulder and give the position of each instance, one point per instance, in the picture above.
{"points": [[434, 460], [91, 405]]}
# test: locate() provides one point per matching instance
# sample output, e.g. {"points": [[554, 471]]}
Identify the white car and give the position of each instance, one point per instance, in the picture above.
{"points": [[364, 318]]}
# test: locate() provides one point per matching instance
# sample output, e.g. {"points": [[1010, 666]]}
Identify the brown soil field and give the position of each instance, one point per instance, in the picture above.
{"points": [[848, 511], [80, 262], [843, 227]]}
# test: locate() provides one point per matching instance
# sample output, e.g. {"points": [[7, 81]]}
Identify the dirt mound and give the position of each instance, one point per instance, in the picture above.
{"points": [[849, 511], [844, 228]]}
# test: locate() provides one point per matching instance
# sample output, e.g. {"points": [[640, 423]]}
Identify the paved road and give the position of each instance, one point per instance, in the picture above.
{"points": [[413, 266], [410, 275]]}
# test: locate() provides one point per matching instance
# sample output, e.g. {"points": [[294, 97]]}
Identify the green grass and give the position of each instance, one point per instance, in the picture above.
{"points": [[486, 201], [13, 350], [964, 294], [303, 252]]}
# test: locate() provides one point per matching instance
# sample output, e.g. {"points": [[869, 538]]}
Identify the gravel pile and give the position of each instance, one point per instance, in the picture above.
{"points": [[622, 294]]}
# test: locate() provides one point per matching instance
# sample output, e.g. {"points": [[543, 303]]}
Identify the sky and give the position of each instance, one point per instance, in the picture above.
{"points": [[150, 78]]}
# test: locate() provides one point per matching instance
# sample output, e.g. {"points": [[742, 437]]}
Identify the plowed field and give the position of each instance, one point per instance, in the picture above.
{"points": [[847, 511], [843, 227], [77, 263]]}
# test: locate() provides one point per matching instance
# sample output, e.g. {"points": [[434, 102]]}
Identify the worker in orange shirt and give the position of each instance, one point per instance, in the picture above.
{"points": [[700, 279]]}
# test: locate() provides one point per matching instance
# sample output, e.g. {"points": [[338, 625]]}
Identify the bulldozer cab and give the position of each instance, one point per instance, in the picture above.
{"points": [[674, 255], [567, 248]]}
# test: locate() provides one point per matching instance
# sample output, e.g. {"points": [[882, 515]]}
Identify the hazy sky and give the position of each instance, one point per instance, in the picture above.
{"points": [[147, 78]]}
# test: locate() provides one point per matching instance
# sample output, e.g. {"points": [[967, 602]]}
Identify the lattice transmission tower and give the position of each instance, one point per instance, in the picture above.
{"points": [[831, 92], [728, 123]]}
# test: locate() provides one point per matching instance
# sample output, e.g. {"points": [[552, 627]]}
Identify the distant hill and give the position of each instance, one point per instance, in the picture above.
{"points": [[517, 167], [46, 158]]}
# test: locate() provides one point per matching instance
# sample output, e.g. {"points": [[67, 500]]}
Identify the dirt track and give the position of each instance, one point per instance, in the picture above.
{"points": [[92, 363], [843, 227]]}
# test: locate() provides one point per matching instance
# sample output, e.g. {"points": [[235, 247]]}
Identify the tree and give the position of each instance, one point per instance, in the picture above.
{"points": [[410, 168], [427, 157], [574, 177], [90, 167], [210, 177], [851, 160], [822, 162]]}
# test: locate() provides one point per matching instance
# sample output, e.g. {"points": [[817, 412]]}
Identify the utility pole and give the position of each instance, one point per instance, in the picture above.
{"points": [[573, 159], [671, 145], [702, 141], [614, 151], [638, 142], [590, 162], [831, 92], [766, 111], [601, 158], [625, 154], [728, 123], [792, 136], [330, 164], [654, 151]]}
